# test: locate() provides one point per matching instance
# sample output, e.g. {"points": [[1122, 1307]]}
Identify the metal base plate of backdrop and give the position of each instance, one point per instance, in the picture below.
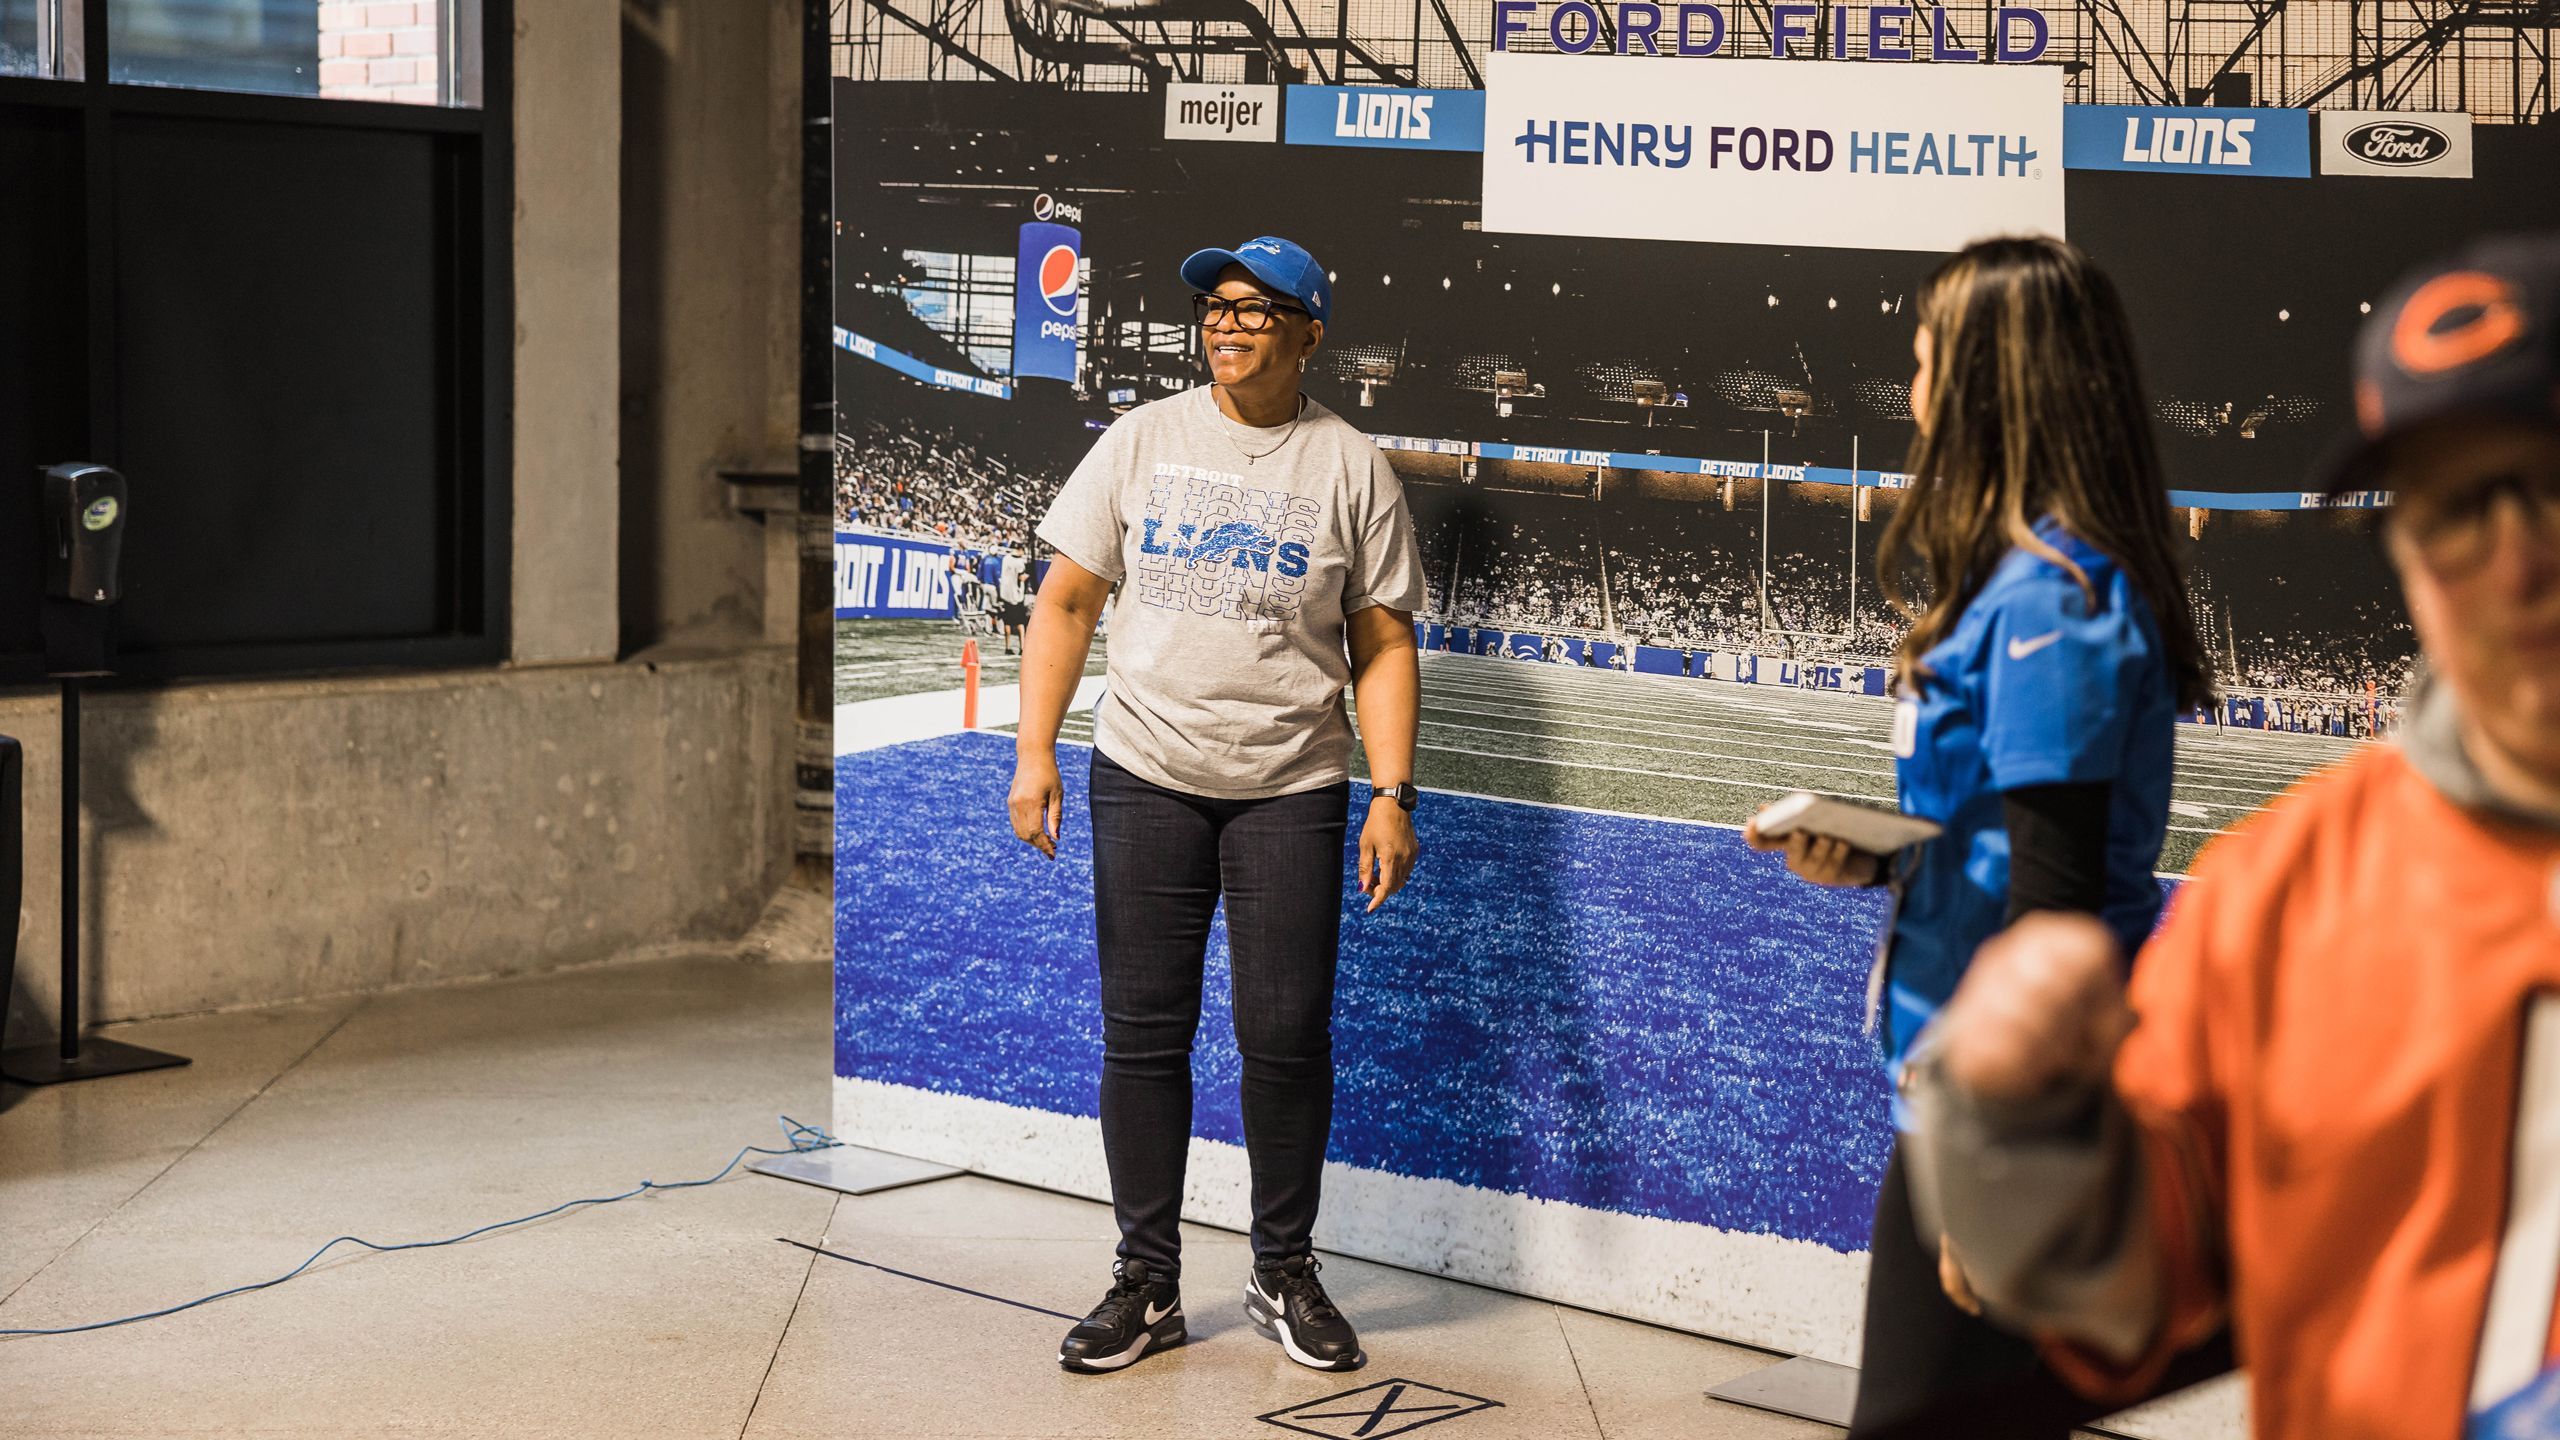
{"points": [[1807, 1389], [855, 1170]]}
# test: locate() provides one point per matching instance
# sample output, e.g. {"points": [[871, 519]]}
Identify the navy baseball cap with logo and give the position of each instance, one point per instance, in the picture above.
{"points": [[1282, 267], [2475, 337]]}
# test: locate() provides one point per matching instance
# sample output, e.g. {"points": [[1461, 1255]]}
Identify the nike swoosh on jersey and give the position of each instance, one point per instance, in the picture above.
{"points": [[2021, 649]]}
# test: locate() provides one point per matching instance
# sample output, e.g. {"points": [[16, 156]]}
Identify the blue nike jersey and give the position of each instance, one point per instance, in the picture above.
{"points": [[2035, 685]]}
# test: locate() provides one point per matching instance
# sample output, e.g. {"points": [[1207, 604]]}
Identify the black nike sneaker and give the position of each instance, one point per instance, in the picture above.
{"points": [[1287, 1303], [1141, 1315]]}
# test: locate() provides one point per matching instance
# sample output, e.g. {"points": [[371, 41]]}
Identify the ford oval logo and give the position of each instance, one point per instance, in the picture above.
{"points": [[2397, 142]]}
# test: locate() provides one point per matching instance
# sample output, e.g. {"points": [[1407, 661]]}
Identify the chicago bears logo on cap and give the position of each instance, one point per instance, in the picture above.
{"points": [[2456, 320], [1058, 280]]}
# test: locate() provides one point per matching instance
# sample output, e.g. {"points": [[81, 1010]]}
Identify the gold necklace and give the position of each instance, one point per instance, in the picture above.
{"points": [[1251, 456]]}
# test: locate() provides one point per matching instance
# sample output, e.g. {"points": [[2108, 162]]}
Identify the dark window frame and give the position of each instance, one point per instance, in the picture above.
{"points": [[481, 310]]}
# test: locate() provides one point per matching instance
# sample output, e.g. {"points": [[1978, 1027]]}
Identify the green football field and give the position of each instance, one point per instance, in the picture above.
{"points": [[876, 658], [1652, 745]]}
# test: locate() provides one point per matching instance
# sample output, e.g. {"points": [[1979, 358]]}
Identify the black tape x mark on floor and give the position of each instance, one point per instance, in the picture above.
{"points": [[1372, 1412]]}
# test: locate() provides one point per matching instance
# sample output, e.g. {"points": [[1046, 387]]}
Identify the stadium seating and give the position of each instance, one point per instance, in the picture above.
{"points": [[2294, 604]]}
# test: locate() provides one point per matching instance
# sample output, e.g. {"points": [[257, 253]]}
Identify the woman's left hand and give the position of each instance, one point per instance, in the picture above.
{"points": [[1818, 858], [1387, 850]]}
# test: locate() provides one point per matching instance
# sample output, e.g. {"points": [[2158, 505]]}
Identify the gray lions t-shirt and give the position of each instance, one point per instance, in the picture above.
{"points": [[1227, 660]]}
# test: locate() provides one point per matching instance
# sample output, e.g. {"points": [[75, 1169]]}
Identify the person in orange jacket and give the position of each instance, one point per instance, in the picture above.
{"points": [[2328, 1111]]}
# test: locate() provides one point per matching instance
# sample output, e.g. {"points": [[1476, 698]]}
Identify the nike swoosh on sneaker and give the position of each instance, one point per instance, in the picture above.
{"points": [[1154, 1314], [2021, 649]]}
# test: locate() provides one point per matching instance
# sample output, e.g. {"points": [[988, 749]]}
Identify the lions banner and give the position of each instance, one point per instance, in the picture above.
{"points": [[891, 577], [1768, 152]]}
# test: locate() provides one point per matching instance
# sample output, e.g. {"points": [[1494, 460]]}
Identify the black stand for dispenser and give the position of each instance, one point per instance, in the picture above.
{"points": [[77, 642]]}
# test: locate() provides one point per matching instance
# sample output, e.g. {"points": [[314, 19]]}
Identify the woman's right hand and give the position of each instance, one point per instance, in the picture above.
{"points": [[1035, 801], [1818, 858]]}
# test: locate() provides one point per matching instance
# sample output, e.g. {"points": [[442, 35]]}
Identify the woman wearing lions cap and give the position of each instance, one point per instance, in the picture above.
{"points": [[1264, 559]]}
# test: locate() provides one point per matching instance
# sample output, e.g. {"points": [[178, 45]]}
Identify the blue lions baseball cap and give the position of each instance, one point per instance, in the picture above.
{"points": [[1283, 266]]}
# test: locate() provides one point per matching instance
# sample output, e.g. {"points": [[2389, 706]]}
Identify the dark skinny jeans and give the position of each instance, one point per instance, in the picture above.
{"points": [[1161, 860]]}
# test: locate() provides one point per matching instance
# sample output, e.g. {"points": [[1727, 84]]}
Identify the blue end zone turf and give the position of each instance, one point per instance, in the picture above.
{"points": [[1619, 1013]]}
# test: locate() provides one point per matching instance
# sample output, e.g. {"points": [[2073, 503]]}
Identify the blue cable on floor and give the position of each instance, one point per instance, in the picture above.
{"points": [[800, 1138]]}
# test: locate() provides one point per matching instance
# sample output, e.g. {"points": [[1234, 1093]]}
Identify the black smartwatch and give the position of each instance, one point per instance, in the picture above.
{"points": [[1406, 797]]}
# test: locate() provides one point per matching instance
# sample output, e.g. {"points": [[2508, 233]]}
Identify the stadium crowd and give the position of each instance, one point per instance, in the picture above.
{"points": [[2373, 647], [928, 481], [1690, 587], [1684, 581], [1526, 577], [1679, 575]]}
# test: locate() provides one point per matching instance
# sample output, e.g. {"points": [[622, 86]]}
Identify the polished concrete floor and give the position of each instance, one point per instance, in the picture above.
{"points": [[424, 1113]]}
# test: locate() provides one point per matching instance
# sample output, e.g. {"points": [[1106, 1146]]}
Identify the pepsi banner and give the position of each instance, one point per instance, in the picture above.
{"points": [[1044, 302], [2187, 140], [1381, 119], [1859, 157], [891, 577]]}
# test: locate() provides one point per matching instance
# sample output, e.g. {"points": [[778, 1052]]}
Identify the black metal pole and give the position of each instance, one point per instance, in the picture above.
{"points": [[41, 1064], [70, 868], [814, 708]]}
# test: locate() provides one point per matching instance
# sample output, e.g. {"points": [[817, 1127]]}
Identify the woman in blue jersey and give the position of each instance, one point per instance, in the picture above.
{"points": [[2038, 688]]}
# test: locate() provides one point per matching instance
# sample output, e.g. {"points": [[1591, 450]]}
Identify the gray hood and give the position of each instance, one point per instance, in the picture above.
{"points": [[2433, 743]]}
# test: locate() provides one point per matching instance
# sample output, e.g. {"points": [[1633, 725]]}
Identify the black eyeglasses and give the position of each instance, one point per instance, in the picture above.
{"points": [[1252, 313], [2454, 531]]}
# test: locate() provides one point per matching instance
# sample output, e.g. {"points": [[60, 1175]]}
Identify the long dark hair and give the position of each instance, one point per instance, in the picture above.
{"points": [[2035, 407]]}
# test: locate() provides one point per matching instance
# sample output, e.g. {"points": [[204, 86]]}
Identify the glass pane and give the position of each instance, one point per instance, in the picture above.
{"points": [[40, 38], [403, 51]]}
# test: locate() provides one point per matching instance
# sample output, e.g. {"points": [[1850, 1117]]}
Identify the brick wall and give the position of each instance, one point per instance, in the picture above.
{"points": [[382, 50]]}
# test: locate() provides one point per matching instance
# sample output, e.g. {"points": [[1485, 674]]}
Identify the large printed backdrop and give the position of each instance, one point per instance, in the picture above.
{"points": [[1598, 1051]]}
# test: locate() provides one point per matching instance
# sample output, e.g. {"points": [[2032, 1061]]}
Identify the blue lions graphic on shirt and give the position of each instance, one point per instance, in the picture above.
{"points": [[1212, 545], [1250, 543]]}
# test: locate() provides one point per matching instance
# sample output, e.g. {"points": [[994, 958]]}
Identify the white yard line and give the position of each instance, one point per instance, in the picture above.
{"points": [[1868, 771], [896, 719], [1652, 774], [1701, 695], [1757, 723], [2181, 786], [1708, 780]]}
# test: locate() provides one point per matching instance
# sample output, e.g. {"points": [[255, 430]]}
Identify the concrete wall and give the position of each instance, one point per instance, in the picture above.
{"points": [[710, 377], [568, 299], [255, 842]]}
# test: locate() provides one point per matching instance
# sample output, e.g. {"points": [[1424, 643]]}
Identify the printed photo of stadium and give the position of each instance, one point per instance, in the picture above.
{"points": [[1454, 344], [1643, 474]]}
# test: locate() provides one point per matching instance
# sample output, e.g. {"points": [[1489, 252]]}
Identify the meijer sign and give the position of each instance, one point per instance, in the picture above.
{"points": [[1860, 157], [1221, 112]]}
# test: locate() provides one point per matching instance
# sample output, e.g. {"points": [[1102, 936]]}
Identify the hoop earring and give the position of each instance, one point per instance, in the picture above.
{"points": [[1302, 364]]}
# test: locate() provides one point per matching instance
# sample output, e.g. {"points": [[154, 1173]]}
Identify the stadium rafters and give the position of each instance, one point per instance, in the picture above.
{"points": [[2492, 58], [1138, 44]]}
